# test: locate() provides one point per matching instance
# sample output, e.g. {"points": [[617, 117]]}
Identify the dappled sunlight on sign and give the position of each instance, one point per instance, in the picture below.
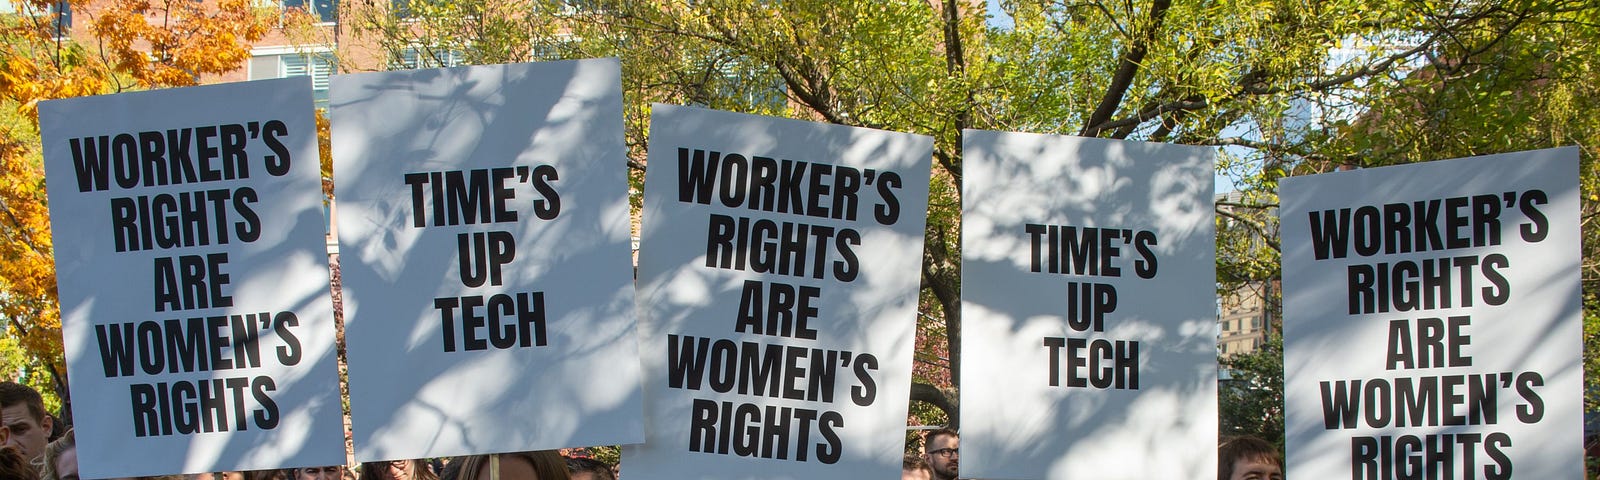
{"points": [[488, 209], [1087, 350]]}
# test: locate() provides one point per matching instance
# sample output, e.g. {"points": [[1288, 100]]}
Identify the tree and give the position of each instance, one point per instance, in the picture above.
{"points": [[1235, 74], [1519, 80], [1530, 84], [1250, 399], [129, 45]]}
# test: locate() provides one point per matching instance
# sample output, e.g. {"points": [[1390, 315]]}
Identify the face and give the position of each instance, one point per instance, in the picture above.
{"points": [[918, 474], [512, 467], [27, 435], [944, 455], [1256, 469], [67, 464], [585, 476], [317, 473], [399, 469]]}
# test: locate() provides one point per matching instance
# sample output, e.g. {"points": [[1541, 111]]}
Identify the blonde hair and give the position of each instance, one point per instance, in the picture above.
{"points": [[53, 451]]}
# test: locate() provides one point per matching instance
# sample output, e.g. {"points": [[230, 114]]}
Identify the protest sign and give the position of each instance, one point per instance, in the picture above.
{"points": [[1432, 320], [778, 276], [191, 261], [1088, 348], [486, 259]]}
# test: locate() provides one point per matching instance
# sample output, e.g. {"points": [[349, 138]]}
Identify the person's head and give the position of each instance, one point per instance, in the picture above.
{"points": [[416, 469], [12, 465], [535, 465], [331, 472], [1248, 458], [273, 474], [915, 468], [22, 410], [581, 468], [943, 453], [60, 459]]}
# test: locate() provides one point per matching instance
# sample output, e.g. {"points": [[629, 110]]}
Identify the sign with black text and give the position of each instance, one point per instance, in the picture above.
{"points": [[192, 269], [778, 275], [1432, 320], [1088, 341], [486, 259]]}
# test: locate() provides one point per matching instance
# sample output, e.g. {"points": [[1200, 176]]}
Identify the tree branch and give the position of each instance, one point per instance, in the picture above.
{"points": [[1193, 103], [1270, 239], [922, 392], [1127, 68]]}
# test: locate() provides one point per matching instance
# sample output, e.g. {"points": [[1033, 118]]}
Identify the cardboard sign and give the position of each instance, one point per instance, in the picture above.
{"points": [[1089, 316], [778, 277], [1432, 320], [485, 253], [193, 275]]}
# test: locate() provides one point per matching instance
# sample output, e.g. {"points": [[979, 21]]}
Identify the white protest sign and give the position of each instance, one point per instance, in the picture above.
{"points": [[193, 275], [1089, 317], [778, 277], [1432, 321], [486, 259]]}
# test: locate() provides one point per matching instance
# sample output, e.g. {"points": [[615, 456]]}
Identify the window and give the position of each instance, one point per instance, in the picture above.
{"points": [[553, 48], [60, 11], [574, 7], [413, 58], [283, 62], [400, 8], [326, 11], [747, 84], [62, 23]]}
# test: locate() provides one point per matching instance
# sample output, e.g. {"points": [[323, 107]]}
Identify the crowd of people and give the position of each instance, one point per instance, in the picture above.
{"points": [[34, 447]]}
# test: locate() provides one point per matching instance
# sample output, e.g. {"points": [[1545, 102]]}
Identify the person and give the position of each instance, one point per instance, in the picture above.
{"points": [[583, 468], [273, 474], [331, 472], [1248, 458], [60, 459], [914, 468], [415, 469], [12, 465], [536, 465], [943, 453], [22, 410]]}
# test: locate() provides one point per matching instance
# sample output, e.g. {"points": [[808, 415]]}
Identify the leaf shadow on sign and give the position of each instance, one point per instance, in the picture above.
{"points": [[534, 407], [1315, 335], [682, 295], [306, 390], [1059, 432]]}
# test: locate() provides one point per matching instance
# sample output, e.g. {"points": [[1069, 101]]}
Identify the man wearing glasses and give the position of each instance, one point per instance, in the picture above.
{"points": [[944, 453]]}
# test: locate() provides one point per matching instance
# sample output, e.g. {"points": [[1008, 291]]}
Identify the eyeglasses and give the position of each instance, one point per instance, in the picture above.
{"points": [[946, 452]]}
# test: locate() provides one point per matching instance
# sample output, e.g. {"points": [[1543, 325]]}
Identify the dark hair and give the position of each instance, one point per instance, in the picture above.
{"points": [[547, 464], [914, 463], [583, 464], [928, 438], [12, 393], [420, 470], [1244, 447], [12, 465], [273, 474]]}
